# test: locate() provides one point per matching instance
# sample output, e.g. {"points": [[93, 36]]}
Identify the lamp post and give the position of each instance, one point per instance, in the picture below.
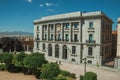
{"points": [[84, 65]]}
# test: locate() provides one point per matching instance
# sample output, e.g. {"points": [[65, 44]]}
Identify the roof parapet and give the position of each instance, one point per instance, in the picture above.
{"points": [[72, 15]]}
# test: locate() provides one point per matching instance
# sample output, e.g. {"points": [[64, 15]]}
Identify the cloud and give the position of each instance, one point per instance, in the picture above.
{"points": [[49, 4], [29, 1], [46, 4], [41, 5]]}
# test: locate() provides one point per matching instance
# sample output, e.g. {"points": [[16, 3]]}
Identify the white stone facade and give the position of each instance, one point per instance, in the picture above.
{"points": [[117, 59], [118, 38], [73, 36]]}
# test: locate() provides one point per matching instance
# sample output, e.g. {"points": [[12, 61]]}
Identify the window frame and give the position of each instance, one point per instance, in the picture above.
{"points": [[90, 51], [90, 24], [76, 25], [43, 46], [73, 49]]}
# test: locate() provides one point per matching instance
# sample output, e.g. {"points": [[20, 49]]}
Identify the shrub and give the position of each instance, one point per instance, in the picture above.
{"points": [[81, 77], [60, 77], [89, 76], [50, 71], [65, 73], [37, 74], [72, 75], [2, 67]]}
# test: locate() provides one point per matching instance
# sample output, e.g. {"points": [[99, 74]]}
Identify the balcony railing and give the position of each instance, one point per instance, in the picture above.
{"points": [[91, 29], [75, 40], [50, 39], [66, 28], [37, 39], [57, 39], [76, 28], [75, 55], [66, 40], [90, 41], [44, 39], [37, 30]]}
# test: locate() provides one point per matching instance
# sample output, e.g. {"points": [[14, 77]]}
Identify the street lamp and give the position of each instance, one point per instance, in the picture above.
{"points": [[84, 65]]}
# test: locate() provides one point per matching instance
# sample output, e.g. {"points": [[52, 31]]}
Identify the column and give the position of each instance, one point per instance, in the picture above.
{"points": [[54, 32], [47, 32], [62, 32], [79, 35], [70, 32], [41, 33]]}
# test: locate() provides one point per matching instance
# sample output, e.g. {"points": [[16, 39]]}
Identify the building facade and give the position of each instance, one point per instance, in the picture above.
{"points": [[117, 59], [74, 36], [27, 42], [114, 43]]}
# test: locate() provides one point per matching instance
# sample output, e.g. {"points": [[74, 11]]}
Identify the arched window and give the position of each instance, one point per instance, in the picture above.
{"points": [[57, 51], [49, 50], [64, 55]]}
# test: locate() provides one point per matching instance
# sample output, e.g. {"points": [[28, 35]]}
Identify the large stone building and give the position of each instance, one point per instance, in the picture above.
{"points": [[74, 36], [117, 59]]}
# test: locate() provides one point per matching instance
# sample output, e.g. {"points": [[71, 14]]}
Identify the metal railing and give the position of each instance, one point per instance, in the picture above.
{"points": [[90, 41]]}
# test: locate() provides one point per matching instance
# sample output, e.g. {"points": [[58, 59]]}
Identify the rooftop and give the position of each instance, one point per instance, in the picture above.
{"points": [[72, 15]]}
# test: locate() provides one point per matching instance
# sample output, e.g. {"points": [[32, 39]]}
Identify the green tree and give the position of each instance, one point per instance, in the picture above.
{"points": [[50, 71], [1, 56], [18, 59], [12, 44], [61, 77], [6, 58], [34, 61]]}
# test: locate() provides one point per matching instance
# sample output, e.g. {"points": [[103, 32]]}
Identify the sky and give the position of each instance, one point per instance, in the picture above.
{"points": [[18, 15]]}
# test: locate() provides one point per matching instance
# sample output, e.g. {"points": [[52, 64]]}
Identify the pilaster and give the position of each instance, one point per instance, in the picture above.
{"points": [[70, 32]]}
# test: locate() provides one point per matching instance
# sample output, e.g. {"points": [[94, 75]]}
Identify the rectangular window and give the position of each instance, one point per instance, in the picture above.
{"points": [[45, 27], [51, 36], [90, 38], [75, 37], [73, 49], [67, 37], [66, 25], [37, 36], [89, 61], [90, 50], [43, 46], [45, 36], [90, 24], [51, 27], [58, 36], [73, 59], [37, 28], [75, 25], [37, 45]]}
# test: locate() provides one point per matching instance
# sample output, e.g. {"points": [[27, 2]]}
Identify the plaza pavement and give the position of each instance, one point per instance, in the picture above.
{"points": [[103, 73], [4, 75]]}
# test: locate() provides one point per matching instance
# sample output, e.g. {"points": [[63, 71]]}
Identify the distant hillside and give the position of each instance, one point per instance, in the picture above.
{"points": [[16, 33]]}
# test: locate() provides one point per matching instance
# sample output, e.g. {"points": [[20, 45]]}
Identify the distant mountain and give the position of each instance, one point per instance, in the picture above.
{"points": [[16, 33]]}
